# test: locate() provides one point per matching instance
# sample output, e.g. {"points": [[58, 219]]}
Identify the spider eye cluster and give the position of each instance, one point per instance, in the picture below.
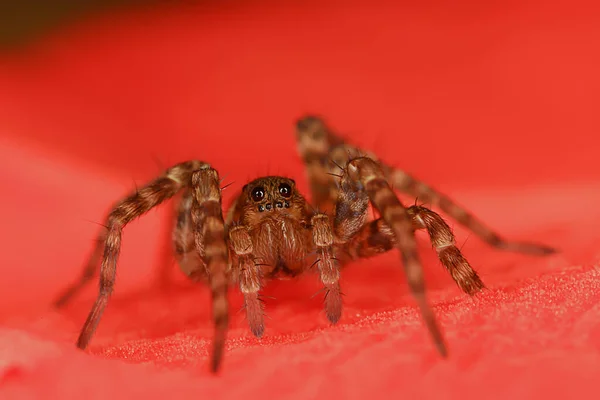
{"points": [[258, 193], [285, 190]]}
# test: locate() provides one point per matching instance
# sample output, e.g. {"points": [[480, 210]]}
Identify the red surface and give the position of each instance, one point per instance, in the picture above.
{"points": [[495, 105]]}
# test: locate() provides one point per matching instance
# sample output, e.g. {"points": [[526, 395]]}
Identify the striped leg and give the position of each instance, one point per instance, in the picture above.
{"points": [[376, 237], [208, 231], [372, 239], [314, 136], [249, 277], [315, 142], [365, 174], [443, 241], [189, 258], [142, 201], [209, 237], [403, 182], [322, 234]]}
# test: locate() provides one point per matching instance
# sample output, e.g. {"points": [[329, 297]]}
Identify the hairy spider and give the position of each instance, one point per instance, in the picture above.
{"points": [[271, 231]]}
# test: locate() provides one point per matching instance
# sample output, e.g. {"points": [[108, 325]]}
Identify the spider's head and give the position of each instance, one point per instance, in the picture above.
{"points": [[271, 195]]}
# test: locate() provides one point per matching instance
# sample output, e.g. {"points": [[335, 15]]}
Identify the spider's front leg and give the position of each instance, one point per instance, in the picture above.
{"points": [[208, 230], [363, 180], [249, 276], [188, 256], [323, 239]]}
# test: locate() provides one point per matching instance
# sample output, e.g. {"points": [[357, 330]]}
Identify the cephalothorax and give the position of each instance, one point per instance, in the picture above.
{"points": [[271, 231]]}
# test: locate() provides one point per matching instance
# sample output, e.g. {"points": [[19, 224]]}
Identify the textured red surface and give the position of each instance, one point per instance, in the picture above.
{"points": [[495, 105]]}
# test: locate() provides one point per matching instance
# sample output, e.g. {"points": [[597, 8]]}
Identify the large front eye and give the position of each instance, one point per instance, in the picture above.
{"points": [[258, 193], [285, 190]]}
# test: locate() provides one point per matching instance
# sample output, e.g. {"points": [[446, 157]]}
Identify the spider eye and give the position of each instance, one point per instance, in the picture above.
{"points": [[258, 193], [285, 190]]}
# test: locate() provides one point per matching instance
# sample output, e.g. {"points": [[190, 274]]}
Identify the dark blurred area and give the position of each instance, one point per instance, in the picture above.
{"points": [[24, 20]]}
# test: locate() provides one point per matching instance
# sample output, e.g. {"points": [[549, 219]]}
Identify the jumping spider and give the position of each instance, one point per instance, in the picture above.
{"points": [[271, 231]]}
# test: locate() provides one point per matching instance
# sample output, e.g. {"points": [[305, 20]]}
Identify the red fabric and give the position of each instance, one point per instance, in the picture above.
{"points": [[493, 104]]}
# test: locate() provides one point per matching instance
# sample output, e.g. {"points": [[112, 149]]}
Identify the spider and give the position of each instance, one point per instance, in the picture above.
{"points": [[271, 231]]}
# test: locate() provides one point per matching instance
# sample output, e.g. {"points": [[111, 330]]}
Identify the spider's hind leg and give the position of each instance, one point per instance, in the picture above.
{"points": [[426, 194], [329, 268], [318, 143], [315, 145], [444, 243]]}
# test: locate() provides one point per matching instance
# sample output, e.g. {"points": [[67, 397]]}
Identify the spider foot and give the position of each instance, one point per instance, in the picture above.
{"points": [[333, 303], [255, 314]]}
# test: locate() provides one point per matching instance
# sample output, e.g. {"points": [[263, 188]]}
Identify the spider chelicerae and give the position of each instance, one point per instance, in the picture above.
{"points": [[271, 231]]}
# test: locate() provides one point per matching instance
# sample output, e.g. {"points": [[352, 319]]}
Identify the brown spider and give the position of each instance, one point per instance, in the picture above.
{"points": [[271, 231]]}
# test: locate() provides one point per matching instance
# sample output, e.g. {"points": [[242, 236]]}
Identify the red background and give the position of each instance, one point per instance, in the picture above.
{"points": [[496, 105]]}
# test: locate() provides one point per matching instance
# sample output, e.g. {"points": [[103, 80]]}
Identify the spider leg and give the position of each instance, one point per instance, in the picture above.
{"points": [[128, 209], [183, 244], [249, 276], [364, 174], [328, 265], [314, 145], [316, 138], [350, 210], [208, 230], [372, 239], [406, 183], [209, 236], [376, 237], [200, 247], [188, 256], [92, 265]]}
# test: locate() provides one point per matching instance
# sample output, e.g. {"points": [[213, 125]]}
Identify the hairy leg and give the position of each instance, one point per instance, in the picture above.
{"points": [[92, 265], [322, 234], [444, 243], [364, 174], [209, 237], [248, 275], [133, 206], [188, 256], [208, 229], [406, 183], [314, 135], [183, 244]]}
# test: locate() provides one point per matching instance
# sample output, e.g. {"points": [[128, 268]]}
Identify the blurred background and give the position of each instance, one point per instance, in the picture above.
{"points": [[98, 97]]}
